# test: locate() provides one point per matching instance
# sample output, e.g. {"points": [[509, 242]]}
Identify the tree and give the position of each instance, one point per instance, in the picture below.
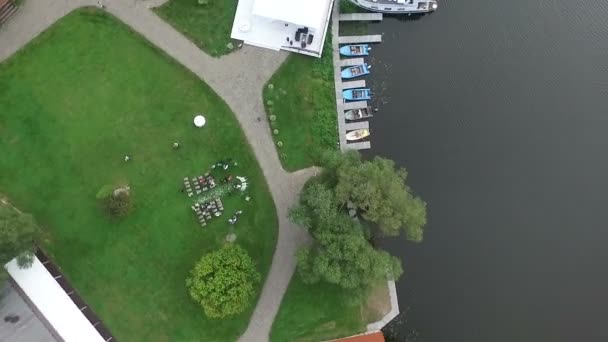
{"points": [[223, 281], [18, 235], [378, 190], [340, 253]]}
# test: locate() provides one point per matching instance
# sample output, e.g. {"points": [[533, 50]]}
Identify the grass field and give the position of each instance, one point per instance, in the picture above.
{"points": [[302, 98], [75, 101], [319, 312], [208, 26]]}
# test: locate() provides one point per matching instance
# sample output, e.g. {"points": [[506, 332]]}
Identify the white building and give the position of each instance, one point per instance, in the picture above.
{"points": [[293, 25], [67, 322]]}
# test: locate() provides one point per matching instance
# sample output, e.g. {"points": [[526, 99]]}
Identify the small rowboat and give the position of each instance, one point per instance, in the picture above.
{"points": [[355, 50], [357, 134], [355, 71], [357, 94], [358, 114]]}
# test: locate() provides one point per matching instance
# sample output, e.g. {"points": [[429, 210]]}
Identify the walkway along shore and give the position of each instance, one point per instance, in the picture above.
{"points": [[239, 79]]}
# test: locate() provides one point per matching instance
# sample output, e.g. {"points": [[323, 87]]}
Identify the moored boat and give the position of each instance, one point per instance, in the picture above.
{"points": [[358, 114], [357, 134], [397, 6], [355, 71], [355, 50], [357, 94]]}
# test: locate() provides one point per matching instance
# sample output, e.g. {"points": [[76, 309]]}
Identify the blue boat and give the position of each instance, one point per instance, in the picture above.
{"points": [[357, 94], [355, 71], [355, 50]]}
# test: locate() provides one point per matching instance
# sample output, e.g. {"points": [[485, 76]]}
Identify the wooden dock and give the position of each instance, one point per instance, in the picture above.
{"points": [[353, 84], [351, 126], [361, 17], [372, 38], [358, 146], [338, 64], [335, 32], [355, 105], [352, 61]]}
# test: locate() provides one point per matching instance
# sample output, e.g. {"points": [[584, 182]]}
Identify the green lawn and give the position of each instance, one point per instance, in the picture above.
{"points": [[208, 26], [302, 98], [311, 313], [74, 102]]}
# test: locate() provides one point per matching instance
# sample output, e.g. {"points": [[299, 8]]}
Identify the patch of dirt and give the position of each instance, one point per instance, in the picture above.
{"points": [[326, 326], [378, 303]]}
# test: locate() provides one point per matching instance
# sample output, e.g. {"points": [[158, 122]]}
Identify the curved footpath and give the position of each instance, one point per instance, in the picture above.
{"points": [[239, 79]]}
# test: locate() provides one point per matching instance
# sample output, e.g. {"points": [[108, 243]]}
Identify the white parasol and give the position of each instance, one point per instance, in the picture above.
{"points": [[199, 121]]}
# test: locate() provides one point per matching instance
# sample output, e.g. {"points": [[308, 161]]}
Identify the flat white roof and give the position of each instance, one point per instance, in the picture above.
{"points": [[310, 13], [53, 303], [273, 24]]}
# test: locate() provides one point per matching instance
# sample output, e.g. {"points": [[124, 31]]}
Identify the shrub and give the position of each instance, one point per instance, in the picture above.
{"points": [[273, 118], [115, 201], [275, 131], [119, 204]]}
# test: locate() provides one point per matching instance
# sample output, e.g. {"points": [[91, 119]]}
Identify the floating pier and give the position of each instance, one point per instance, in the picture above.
{"points": [[362, 145], [355, 105], [352, 62], [360, 17], [351, 126], [335, 32], [372, 38], [340, 85], [353, 84]]}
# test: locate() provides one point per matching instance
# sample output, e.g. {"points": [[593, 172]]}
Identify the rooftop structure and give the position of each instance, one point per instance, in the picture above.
{"points": [[20, 323], [373, 337], [292, 25], [45, 294]]}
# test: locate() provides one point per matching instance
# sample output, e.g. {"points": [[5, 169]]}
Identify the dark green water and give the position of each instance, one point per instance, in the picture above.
{"points": [[499, 111]]}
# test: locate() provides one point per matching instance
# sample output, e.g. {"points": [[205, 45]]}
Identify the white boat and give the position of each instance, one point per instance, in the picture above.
{"points": [[397, 6], [357, 134]]}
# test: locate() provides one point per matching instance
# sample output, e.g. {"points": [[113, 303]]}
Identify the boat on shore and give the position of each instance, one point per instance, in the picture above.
{"points": [[397, 6], [357, 134], [355, 71], [355, 50], [357, 94], [358, 114]]}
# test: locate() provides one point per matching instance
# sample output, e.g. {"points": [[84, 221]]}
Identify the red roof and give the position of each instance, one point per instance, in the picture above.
{"points": [[375, 337]]}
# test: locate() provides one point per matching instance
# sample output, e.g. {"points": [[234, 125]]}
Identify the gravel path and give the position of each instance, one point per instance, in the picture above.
{"points": [[239, 79]]}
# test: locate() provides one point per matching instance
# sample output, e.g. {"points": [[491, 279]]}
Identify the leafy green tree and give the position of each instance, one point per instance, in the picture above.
{"points": [[340, 253], [378, 190], [18, 235], [223, 281]]}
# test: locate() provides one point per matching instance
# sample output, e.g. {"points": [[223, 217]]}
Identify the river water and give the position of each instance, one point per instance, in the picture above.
{"points": [[499, 111]]}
